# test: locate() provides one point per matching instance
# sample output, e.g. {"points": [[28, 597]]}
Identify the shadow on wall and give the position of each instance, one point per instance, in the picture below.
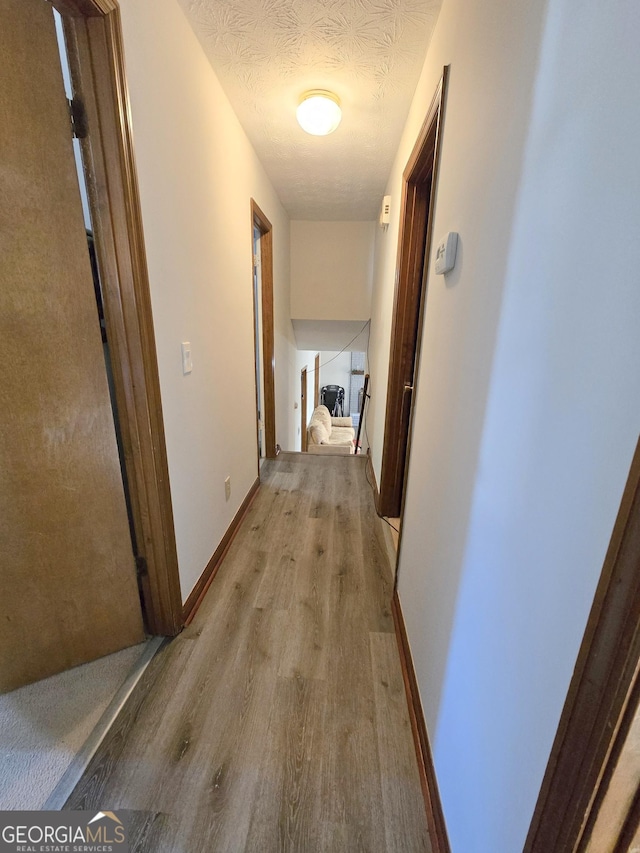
{"points": [[555, 445]]}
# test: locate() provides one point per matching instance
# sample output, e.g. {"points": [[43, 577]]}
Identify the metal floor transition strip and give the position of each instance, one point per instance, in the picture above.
{"points": [[61, 793]]}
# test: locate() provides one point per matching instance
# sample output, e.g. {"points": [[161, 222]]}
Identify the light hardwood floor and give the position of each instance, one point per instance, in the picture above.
{"points": [[277, 721]]}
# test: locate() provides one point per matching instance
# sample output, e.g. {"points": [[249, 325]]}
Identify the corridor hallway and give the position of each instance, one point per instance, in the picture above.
{"points": [[277, 721]]}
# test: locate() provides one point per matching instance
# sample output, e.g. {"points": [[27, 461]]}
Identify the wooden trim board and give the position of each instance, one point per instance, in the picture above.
{"points": [[414, 246], [196, 595], [94, 37], [599, 690], [428, 781], [371, 476], [268, 333], [303, 409]]}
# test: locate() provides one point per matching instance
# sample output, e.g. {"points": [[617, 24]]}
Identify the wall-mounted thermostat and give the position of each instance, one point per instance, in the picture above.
{"points": [[446, 253], [385, 211]]}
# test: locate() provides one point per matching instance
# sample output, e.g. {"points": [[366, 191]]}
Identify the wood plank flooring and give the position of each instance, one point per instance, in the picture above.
{"points": [[277, 721]]}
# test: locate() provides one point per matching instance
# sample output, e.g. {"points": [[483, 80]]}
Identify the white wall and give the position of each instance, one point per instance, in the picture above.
{"points": [[197, 173], [335, 369], [331, 270], [304, 358], [528, 402]]}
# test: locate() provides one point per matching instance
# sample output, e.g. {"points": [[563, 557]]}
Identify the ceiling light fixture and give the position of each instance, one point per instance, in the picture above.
{"points": [[319, 112]]}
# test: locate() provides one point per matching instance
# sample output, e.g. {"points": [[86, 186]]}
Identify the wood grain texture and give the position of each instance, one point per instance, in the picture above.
{"points": [[426, 768], [414, 244], [399, 799], [602, 679], [83, 8], [303, 409], [69, 591], [276, 720], [97, 65], [268, 330], [613, 814], [316, 381], [196, 595]]}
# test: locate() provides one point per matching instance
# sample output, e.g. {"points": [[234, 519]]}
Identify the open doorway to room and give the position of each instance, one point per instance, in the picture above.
{"points": [[82, 174], [68, 478], [338, 386], [303, 409], [332, 355], [258, 343], [262, 258], [416, 222], [340, 378]]}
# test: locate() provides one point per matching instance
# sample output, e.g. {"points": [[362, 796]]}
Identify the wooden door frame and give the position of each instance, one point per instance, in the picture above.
{"points": [[316, 381], [93, 32], [414, 247], [260, 221], [596, 710], [303, 409]]}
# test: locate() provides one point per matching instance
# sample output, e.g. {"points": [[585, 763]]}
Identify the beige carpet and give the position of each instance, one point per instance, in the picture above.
{"points": [[44, 725]]}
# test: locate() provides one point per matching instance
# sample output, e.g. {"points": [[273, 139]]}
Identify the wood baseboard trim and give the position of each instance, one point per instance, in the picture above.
{"points": [[191, 605], [371, 476], [433, 805]]}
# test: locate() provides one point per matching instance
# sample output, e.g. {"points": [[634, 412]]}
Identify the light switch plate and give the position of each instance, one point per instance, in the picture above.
{"points": [[446, 253], [187, 364]]}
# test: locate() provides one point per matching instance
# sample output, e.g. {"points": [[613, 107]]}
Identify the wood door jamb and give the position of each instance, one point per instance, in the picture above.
{"points": [[602, 680], [268, 334], [416, 220], [94, 33]]}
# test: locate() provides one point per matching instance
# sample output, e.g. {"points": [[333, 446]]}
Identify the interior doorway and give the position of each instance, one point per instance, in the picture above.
{"points": [[584, 804], [262, 255], [101, 120], [303, 410], [69, 586], [109, 355], [67, 544], [316, 381], [418, 194], [258, 343]]}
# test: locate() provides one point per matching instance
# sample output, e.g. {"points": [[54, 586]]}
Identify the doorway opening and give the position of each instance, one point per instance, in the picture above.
{"points": [[262, 253], [416, 222], [589, 800], [99, 107], [303, 409], [81, 173], [316, 381], [258, 344], [338, 389], [68, 541]]}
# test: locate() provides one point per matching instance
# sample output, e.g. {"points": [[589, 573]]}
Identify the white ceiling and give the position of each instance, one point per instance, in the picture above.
{"points": [[267, 53], [332, 335]]}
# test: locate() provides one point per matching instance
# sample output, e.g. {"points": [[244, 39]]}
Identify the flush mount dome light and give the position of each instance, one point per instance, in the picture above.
{"points": [[319, 112]]}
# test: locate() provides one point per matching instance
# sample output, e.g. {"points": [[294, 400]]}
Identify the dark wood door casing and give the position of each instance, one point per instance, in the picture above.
{"points": [[316, 382], [268, 333], [599, 692], [414, 243], [303, 409], [93, 33], [69, 591]]}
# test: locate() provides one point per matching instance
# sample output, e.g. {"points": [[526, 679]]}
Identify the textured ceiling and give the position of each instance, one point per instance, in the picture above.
{"points": [[267, 53]]}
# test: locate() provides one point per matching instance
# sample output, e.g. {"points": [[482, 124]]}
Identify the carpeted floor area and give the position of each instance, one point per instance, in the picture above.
{"points": [[44, 725]]}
